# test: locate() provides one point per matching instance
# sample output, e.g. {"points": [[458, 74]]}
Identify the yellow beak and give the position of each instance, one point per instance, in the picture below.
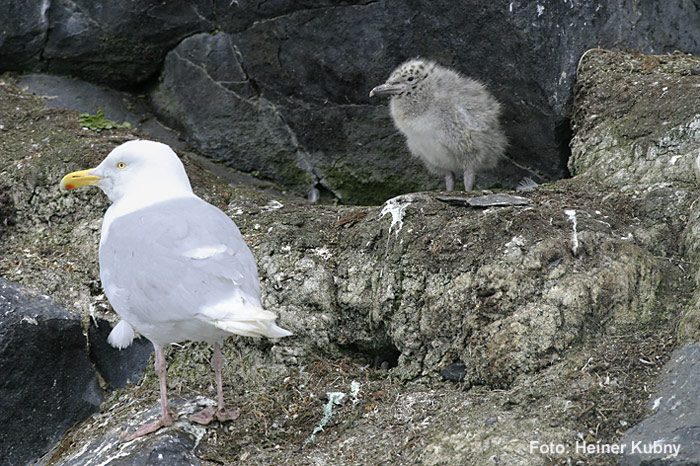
{"points": [[80, 178]]}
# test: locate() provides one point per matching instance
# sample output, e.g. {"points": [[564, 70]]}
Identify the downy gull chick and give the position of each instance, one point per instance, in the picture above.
{"points": [[174, 267], [450, 122]]}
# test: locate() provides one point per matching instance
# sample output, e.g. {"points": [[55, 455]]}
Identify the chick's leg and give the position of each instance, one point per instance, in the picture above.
{"points": [[469, 176], [450, 181]]}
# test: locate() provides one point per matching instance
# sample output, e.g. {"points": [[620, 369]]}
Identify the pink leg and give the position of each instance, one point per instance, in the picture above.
{"points": [[450, 181], [469, 176], [217, 362], [220, 413], [166, 419]]}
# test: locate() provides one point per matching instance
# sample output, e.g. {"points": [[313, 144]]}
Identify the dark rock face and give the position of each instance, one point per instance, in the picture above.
{"points": [[23, 29], [526, 54], [48, 384], [121, 43], [117, 367], [676, 421], [209, 97], [172, 447], [283, 89]]}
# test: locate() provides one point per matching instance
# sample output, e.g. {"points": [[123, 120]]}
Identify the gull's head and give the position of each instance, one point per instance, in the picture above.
{"points": [[405, 78], [142, 168]]}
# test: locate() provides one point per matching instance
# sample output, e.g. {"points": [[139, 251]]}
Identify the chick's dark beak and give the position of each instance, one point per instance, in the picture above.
{"points": [[386, 89]]}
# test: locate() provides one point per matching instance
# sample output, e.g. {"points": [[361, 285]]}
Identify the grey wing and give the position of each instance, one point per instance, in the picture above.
{"points": [[468, 119], [176, 259], [476, 133], [457, 129]]}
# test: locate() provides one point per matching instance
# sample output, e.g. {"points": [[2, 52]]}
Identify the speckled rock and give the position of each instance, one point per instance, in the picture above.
{"points": [[645, 145], [649, 139], [7, 210], [504, 290], [172, 448]]}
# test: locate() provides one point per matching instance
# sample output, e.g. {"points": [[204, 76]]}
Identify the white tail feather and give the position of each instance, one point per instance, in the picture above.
{"points": [[121, 335], [244, 310], [253, 328]]}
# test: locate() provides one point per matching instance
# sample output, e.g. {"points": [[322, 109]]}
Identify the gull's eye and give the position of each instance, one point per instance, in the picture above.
{"points": [[121, 165]]}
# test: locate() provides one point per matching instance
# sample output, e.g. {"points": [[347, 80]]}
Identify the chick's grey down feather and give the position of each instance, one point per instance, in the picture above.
{"points": [[450, 122]]}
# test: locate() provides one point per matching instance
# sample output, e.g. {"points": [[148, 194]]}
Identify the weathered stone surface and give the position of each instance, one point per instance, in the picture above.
{"points": [[427, 279], [117, 367], [676, 419], [7, 210], [48, 384], [554, 302], [23, 30], [121, 43], [650, 139], [172, 448], [646, 145], [236, 125]]}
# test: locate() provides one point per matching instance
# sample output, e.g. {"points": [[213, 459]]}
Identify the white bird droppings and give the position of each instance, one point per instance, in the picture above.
{"points": [[29, 320], [323, 253], [354, 391], [574, 236], [397, 210], [272, 205], [517, 241]]}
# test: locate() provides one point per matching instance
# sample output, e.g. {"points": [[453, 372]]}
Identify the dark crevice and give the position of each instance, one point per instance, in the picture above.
{"points": [[253, 83], [563, 134], [383, 357]]}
